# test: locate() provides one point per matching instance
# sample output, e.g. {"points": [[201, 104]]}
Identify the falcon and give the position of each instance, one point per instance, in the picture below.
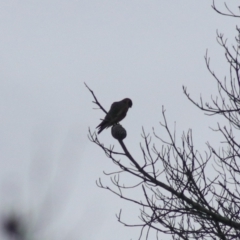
{"points": [[117, 113]]}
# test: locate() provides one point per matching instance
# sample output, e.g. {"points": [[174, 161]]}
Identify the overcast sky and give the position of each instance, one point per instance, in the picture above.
{"points": [[144, 50]]}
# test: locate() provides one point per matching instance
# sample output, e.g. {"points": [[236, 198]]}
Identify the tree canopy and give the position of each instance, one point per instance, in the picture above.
{"points": [[179, 196]]}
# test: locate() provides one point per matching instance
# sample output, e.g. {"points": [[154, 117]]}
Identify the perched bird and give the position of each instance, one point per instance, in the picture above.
{"points": [[117, 112]]}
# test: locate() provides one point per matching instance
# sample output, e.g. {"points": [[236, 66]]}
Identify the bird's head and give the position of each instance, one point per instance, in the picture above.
{"points": [[128, 101]]}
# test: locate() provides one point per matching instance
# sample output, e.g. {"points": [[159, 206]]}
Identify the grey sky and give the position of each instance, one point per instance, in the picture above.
{"points": [[144, 50]]}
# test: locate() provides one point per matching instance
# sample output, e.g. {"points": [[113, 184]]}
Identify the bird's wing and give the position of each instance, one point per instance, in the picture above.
{"points": [[116, 113], [114, 110], [112, 113]]}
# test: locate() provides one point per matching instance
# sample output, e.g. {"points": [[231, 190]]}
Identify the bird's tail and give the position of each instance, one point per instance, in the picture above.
{"points": [[102, 126]]}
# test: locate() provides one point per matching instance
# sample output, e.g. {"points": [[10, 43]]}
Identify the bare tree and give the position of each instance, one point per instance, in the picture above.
{"points": [[179, 197]]}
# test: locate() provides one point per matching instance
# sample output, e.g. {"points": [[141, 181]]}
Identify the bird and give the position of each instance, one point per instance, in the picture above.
{"points": [[117, 113]]}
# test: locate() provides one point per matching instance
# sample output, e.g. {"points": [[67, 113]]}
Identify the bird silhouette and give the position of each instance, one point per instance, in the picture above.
{"points": [[117, 113]]}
